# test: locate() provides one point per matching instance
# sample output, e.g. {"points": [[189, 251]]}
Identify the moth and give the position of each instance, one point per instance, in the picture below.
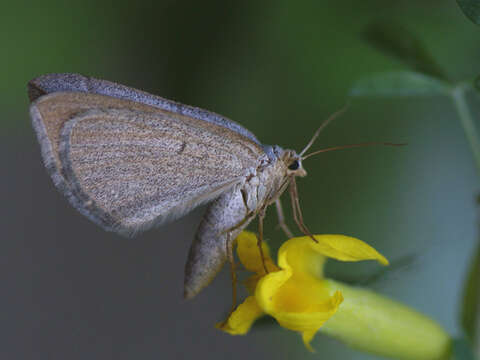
{"points": [[129, 160]]}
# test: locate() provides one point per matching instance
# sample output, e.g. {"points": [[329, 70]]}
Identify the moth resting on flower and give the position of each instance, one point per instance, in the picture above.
{"points": [[129, 160]]}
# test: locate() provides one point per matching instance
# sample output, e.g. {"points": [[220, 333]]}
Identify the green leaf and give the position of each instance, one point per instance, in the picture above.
{"points": [[396, 41], [471, 9], [402, 83], [462, 349], [470, 316]]}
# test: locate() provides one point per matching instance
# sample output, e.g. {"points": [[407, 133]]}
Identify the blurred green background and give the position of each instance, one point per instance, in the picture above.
{"points": [[72, 291]]}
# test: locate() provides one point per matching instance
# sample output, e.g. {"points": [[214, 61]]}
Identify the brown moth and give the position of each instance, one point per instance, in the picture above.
{"points": [[129, 160]]}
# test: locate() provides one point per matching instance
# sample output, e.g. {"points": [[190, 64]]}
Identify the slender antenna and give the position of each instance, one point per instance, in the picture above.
{"points": [[350, 146], [323, 125]]}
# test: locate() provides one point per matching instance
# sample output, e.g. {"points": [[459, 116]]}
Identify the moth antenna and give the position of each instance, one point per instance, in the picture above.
{"points": [[324, 125], [350, 146]]}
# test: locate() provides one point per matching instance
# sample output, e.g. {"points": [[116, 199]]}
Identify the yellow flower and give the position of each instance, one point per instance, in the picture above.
{"points": [[297, 295], [294, 292]]}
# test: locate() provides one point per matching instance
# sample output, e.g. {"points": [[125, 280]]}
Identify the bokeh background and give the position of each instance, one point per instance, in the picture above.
{"points": [[69, 290]]}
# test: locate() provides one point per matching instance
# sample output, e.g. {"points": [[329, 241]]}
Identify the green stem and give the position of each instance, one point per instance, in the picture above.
{"points": [[458, 96]]}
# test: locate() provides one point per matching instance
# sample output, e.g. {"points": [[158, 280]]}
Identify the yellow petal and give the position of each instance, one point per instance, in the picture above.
{"points": [[307, 337], [340, 247], [294, 296], [240, 321], [302, 255], [249, 253], [311, 320], [295, 305], [270, 285]]}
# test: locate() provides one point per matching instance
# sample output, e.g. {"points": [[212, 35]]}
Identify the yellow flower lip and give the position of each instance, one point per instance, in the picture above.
{"points": [[294, 292]]}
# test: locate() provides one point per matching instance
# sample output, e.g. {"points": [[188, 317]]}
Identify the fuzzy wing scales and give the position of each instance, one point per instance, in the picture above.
{"points": [[51, 83], [127, 167]]}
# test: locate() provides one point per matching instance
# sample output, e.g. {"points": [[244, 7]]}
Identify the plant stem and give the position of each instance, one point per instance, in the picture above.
{"points": [[468, 124]]}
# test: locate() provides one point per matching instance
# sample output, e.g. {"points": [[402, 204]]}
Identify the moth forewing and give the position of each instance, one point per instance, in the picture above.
{"points": [[128, 168]]}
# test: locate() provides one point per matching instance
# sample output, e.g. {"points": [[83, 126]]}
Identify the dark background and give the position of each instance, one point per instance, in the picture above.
{"points": [[69, 290]]}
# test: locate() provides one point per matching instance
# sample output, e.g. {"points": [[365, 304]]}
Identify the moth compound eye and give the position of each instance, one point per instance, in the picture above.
{"points": [[294, 165]]}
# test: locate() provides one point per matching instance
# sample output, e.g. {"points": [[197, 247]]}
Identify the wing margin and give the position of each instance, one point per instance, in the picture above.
{"points": [[61, 82]]}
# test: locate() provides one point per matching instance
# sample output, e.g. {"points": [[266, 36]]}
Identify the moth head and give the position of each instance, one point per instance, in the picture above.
{"points": [[293, 163]]}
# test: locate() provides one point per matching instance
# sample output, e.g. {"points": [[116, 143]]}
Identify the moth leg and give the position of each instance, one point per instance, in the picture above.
{"points": [[233, 274], [297, 212], [261, 216], [281, 219]]}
